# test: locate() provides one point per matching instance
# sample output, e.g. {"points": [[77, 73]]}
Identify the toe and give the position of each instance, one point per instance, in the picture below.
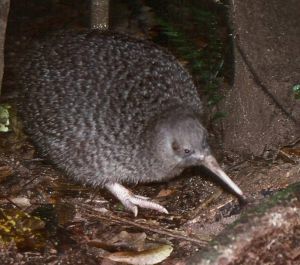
{"points": [[132, 201], [148, 204]]}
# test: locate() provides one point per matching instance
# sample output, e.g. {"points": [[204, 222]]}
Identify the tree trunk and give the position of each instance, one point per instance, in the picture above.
{"points": [[263, 113], [4, 7]]}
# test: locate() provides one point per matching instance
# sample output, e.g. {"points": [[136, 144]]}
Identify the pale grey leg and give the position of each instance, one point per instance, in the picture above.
{"points": [[132, 201]]}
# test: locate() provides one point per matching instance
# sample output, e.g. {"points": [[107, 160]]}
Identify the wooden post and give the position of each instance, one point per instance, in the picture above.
{"points": [[100, 14], [4, 7]]}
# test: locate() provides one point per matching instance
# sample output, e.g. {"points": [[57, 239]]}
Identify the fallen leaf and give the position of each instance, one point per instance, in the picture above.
{"points": [[291, 151], [22, 202], [165, 193], [5, 171], [145, 257], [133, 241]]}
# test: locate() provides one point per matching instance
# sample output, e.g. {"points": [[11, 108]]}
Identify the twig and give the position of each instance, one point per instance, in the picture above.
{"points": [[195, 214], [202, 240]]}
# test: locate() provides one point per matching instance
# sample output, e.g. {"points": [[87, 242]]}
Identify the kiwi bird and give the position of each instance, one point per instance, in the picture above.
{"points": [[109, 109]]}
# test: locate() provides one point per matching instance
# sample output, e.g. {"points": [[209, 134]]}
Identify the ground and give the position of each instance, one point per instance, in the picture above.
{"points": [[68, 222]]}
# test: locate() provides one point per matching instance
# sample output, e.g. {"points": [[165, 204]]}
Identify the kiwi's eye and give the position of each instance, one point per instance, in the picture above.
{"points": [[187, 151], [175, 146]]}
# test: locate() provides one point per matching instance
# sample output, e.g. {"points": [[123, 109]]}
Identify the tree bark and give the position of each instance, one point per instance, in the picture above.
{"points": [[4, 7], [263, 113]]}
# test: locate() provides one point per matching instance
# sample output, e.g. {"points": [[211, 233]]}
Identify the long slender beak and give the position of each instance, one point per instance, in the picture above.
{"points": [[211, 163]]}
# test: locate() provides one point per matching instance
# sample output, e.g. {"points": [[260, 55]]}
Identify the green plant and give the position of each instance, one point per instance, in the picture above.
{"points": [[183, 25], [296, 90]]}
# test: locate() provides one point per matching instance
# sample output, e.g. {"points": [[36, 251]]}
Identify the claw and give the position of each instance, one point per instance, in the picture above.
{"points": [[132, 201]]}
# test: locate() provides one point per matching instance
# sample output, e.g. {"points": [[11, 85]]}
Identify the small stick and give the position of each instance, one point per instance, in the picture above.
{"points": [[202, 240], [195, 214]]}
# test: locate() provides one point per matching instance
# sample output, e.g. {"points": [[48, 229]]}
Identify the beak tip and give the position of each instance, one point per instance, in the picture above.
{"points": [[242, 199], [236, 190], [240, 193], [211, 163]]}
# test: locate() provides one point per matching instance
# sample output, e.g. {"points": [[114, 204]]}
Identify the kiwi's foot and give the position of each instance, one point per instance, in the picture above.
{"points": [[132, 201]]}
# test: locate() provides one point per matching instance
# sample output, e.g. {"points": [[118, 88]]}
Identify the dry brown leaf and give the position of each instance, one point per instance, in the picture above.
{"points": [[165, 193], [133, 241], [291, 151], [22, 202], [5, 171], [145, 257]]}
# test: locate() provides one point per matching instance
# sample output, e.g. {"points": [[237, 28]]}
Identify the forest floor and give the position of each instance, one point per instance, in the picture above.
{"points": [[47, 219]]}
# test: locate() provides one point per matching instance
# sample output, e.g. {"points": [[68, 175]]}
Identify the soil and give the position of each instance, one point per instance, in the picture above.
{"points": [[79, 222]]}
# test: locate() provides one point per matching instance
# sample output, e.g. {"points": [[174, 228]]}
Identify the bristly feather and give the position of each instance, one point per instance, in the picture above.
{"points": [[91, 101]]}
